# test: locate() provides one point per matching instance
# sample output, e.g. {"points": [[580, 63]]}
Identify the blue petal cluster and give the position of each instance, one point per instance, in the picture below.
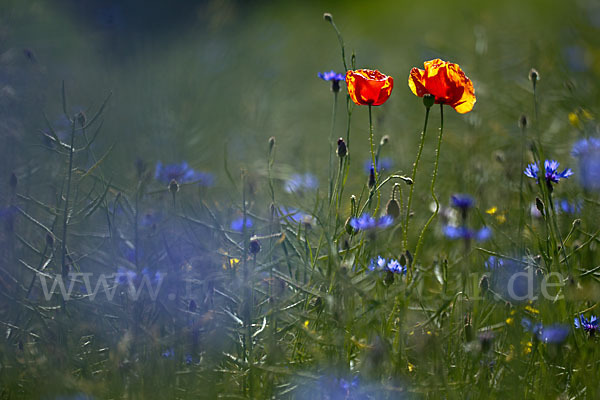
{"points": [[238, 224], [331, 76], [462, 201], [551, 173], [381, 264], [462, 232], [589, 326], [367, 222], [182, 173]]}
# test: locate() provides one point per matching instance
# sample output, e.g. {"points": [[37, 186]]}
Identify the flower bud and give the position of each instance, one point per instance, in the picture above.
{"points": [[328, 17], [371, 178], [484, 284], [254, 246], [523, 121], [384, 140], [342, 150], [534, 76], [393, 208], [271, 143], [428, 100], [335, 85], [539, 205]]}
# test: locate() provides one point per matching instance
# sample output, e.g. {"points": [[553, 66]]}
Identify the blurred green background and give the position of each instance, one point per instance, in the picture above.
{"points": [[189, 78]]}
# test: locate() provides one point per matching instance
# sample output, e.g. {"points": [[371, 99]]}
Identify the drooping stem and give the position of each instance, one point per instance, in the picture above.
{"points": [[414, 173], [374, 163], [433, 178]]}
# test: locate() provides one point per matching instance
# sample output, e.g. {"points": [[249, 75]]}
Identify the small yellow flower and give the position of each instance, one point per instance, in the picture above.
{"points": [[574, 120], [509, 321], [411, 367], [491, 210], [306, 323], [501, 218], [528, 347], [532, 310]]}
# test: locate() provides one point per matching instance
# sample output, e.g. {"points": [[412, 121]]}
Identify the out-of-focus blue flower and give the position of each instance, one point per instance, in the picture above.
{"points": [[395, 267], [462, 232], [462, 201], [295, 216], [348, 386], [125, 276], [331, 76], [189, 359], [383, 164], [551, 171], [494, 262], [367, 222], [238, 224], [590, 326], [182, 173], [169, 353], [568, 207], [155, 277], [377, 265], [299, 182], [556, 333], [587, 153]]}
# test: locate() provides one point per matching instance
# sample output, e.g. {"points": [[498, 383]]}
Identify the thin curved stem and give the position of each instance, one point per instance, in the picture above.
{"points": [[433, 178], [414, 173]]}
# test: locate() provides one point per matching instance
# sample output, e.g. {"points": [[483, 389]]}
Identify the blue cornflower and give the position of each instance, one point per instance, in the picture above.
{"points": [[367, 222], [383, 164], [182, 173], [298, 182], [590, 326], [587, 153], [295, 216], [170, 353], [347, 386], [155, 277], [462, 201], [331, 76], [395, 267], [377, 265], [551, 171], [462, 232], [238, 224]]}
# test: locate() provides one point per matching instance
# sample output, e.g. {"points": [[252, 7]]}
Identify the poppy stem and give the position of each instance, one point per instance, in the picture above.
{"points": [[433, 178], [331, 146], [374, 164], [414, 173]]}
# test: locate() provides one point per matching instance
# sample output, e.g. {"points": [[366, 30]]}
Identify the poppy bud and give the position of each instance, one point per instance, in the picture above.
{"points": [[409, 258], [484, 283], [428, 100], [371, 178], [13, 181], [352, 204], [534, 76], [254, 247], [523, 121], [389, 277], [402, 260], [468, 331], [271, 143], [393, 208], [328, 17], [342, 150], [539, 205], [173, 187], [485, 340]]}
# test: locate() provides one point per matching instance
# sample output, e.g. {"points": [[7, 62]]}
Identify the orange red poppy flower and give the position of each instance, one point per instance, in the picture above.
{"points": [[446, 81], [369, 87]]}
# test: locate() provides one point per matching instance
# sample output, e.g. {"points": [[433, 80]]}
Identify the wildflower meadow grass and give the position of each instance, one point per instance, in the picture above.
{"points": [[299, 201]]}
